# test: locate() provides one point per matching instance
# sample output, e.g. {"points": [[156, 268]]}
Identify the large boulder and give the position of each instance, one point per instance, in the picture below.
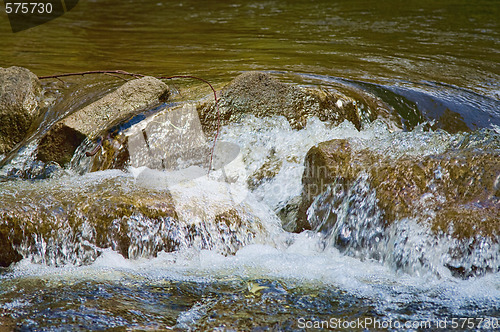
{"points": [[20, 94], [262, 95], [90, 122], [409, 186], [401, 208]]}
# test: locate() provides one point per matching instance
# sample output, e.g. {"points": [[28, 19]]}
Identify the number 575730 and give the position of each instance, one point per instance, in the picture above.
{"points": [[28, 8]]}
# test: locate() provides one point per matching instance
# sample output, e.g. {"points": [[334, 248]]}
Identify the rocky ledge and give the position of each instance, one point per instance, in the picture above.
{"points": [[71, 221], [454, 194]]}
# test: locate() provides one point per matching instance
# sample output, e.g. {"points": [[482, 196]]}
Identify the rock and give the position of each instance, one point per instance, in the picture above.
{"points": [[20, 93], [449, 183], [401, 209], [66, 225], [59, 144], [72, 220], [250, 93], [262, 95], [417, 212], [289, 214], [8, 252], [36, 170], [165, 140], [269, 169], [91, 121]]}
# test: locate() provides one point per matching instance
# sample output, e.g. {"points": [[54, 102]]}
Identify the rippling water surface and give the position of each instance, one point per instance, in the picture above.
{"points": [[452, 42], [435, 61]]}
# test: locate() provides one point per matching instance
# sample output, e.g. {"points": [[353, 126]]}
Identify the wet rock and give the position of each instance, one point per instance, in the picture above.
{"points": [[169, 139], [452, 122], [20, 94], [59, 144], [71, 221], [35, 170], [7, 323], [289, 214], [65, 225], [269, 169], [456, 192], [416, 212], [91, 121], [8, 253], [262, 95]]}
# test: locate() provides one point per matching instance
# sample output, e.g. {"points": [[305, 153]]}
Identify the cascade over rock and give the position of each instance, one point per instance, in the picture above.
{"points": [[90, 122], [367, 203], [71, 221], [462, 187]]}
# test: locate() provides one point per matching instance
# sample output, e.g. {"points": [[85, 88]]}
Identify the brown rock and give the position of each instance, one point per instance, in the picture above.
{"points": [[20, 94], [262, 95], [461, 187], [70, 221]]}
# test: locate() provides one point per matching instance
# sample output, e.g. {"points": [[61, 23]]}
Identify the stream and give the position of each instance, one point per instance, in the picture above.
{"points": [[436, 64]]}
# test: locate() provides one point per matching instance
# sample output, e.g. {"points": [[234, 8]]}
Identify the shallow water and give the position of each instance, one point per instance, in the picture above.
{"points": [[427, 60], [281, 281]]}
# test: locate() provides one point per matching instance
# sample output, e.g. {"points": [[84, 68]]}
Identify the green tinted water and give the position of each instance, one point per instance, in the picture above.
{"points": [[427, 45], [454, 42]]}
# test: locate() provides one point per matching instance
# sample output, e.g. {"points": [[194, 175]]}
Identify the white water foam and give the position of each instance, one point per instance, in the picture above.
{"points": [[299, 258], [302, 263]]}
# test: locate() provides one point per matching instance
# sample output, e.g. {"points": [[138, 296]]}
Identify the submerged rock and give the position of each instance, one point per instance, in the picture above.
{"points": [[20, 93], [262, 95], [171, 138], [91, 121], [454, 194]]}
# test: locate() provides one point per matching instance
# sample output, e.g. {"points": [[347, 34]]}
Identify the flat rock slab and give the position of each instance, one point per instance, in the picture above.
{"points": [[91, 121], [20, 95]]}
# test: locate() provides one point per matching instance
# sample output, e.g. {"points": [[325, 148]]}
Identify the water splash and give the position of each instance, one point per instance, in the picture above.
{"points": [[348, 217]]}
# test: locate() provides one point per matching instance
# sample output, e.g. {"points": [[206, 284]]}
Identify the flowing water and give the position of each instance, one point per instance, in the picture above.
{"points": [[434, 63]]}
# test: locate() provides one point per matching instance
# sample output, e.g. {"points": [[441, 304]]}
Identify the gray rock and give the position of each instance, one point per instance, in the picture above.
{"points": [[91, 121], [20, 94]]}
